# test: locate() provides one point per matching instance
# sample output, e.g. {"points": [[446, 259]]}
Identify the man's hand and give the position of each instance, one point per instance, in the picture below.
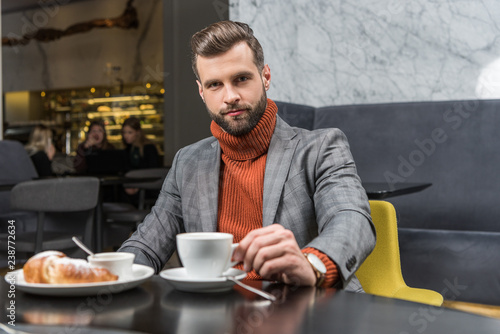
{"points": [[274, 254]]}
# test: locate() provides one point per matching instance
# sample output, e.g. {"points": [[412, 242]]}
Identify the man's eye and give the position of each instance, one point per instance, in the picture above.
{"points": [[213, 85], [242, 79]]}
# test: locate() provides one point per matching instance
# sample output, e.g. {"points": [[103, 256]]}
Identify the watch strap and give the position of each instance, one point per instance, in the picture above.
{"points": [[320, 277]]}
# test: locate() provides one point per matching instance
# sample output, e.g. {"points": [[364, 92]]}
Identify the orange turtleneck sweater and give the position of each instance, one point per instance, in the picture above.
{"points": [[241, 184]]}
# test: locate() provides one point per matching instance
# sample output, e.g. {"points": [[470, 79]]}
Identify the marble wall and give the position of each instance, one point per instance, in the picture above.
{"points": [[84, 59], [333, 52]]}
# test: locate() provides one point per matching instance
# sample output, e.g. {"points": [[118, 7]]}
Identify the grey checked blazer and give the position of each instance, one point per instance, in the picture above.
{"points": [[310, 187]]}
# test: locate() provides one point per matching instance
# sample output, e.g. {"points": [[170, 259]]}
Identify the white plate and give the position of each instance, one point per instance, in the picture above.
{"points": [[179, 279], [140, 274]]}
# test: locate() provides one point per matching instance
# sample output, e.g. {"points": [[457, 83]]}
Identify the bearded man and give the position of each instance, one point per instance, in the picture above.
{"points": [[291, 198]]}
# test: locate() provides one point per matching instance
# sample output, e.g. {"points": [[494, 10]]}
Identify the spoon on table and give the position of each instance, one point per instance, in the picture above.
{"points": [[261, 293], [82, 246]]}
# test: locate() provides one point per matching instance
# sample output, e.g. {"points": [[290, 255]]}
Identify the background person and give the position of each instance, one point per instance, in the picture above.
{"points": [[142, 153], [41, 150], [96, 140]]}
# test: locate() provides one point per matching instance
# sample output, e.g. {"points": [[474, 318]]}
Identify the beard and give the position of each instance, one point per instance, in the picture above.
{"points": [[242, 124]]}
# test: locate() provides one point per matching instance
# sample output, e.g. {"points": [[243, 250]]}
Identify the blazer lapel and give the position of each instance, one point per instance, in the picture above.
{"points": [[208, 186], [279, 158]]}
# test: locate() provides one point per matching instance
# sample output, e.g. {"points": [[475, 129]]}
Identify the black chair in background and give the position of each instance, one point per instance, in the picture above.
{"points": [[151, 187], [15, 166], [120, 216], [64, 208]]}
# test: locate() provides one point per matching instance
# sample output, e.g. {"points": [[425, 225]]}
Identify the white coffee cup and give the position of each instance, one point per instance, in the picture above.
{"points": [[206, 254], [118, 263]]}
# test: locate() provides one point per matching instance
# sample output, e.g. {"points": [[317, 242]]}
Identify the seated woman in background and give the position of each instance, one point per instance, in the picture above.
{"points": [[141, 152], [96, 140], [41, 150]]}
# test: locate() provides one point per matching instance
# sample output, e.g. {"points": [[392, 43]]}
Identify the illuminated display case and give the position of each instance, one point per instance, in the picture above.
{"points": [[113, 111], [68, 113]]}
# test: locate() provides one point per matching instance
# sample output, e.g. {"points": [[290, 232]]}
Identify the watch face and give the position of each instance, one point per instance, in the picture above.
{"points": [[317, 263]]}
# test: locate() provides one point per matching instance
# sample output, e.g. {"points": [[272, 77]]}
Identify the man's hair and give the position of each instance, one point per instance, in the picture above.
{"points": [[221, 36]]}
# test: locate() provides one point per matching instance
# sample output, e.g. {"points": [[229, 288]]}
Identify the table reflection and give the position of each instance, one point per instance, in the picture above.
{"points": [[241, 311], [155, 307], [283, 316], [115, 310], [201, 313]]}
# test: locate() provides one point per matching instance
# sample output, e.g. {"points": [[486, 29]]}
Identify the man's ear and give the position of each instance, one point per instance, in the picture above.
{"points": [[266, 76], [200, 90]]}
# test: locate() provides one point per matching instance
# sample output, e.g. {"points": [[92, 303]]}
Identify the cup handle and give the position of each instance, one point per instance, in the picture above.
{"points": [[232, 263]]}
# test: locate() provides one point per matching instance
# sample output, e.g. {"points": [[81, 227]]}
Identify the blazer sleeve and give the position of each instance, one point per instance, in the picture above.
{"points": [[346, 233]]}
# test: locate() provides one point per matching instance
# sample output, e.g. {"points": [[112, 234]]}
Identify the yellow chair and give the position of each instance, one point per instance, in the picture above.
{"points": [[381, 274]]}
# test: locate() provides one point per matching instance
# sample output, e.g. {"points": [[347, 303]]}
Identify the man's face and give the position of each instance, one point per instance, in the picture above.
{"points": [[233, 89]]}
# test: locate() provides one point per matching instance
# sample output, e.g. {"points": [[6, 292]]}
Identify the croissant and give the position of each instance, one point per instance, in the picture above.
{"points": [[53, 267]]}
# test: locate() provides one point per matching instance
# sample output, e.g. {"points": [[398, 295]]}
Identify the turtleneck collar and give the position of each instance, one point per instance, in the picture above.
{"points": [[253, 144]]}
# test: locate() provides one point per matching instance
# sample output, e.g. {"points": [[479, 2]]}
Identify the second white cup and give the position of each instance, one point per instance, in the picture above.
{"points": [[118, 263], [205, 254]]}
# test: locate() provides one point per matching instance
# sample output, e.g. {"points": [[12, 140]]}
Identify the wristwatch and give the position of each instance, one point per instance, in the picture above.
{"points": [[318, 267]]}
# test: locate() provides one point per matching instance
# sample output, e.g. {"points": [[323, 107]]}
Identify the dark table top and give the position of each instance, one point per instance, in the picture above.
{"points": [[105, 180], [381, 190], [108, 180], [155, 307], [374, 190], [8, 184]]}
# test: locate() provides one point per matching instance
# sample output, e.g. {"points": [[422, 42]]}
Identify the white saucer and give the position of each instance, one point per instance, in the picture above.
{"points": [[179, 279], [140, 274]]}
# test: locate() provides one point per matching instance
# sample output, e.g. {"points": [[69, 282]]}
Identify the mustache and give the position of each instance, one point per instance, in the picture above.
{"points": [[234, 107]]}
